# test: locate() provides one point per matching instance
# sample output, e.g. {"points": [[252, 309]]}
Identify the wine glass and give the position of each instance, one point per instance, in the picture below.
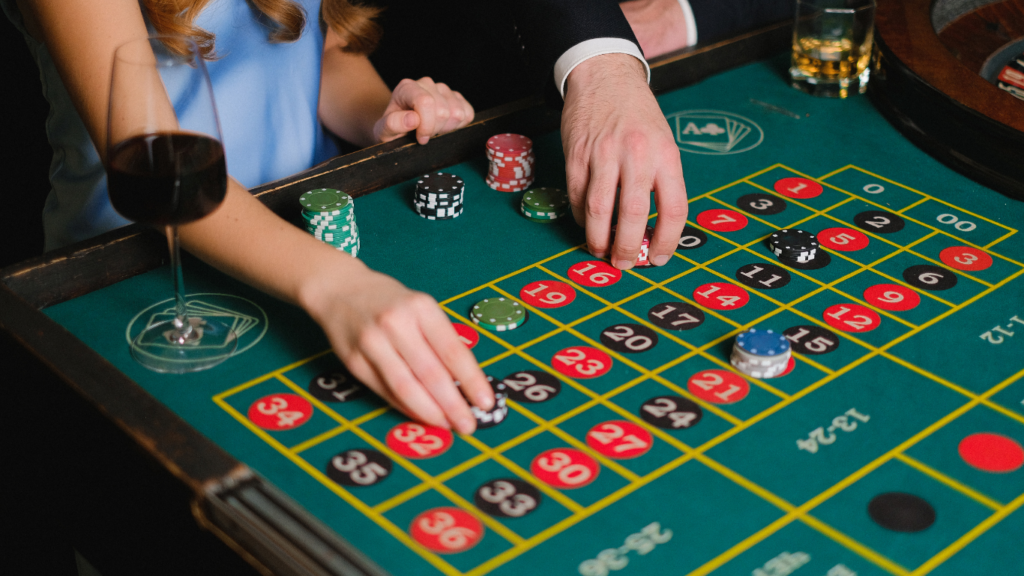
{"points": [[165, 167]]}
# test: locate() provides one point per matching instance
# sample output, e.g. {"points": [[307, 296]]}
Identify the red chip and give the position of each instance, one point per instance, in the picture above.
{"points": [[509, 143], [991, 452]]}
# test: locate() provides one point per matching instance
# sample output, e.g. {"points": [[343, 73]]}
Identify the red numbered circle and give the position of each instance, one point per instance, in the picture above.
{"points": [[582, 362], [892, 297], [843, 239], [722, 220], [280, 412], [565, 468], [467, 335], [991, 452], [965, 258], [789, 367], [798, 188], [549, 293], [415, 440], [721, 296], [594, 273], [447, 530], [718, 386], [851, 317], [620, 439]]}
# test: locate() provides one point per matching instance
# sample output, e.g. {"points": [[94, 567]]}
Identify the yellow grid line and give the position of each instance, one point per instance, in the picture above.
{"points": [[950, 482], [523, 545]]}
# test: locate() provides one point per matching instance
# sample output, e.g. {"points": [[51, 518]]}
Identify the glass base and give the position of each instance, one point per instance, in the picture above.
{"points": [[160, 348], [829, 87]]}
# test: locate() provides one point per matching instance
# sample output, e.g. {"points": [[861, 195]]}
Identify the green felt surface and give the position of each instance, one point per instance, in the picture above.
{"points": [[734, 489]]}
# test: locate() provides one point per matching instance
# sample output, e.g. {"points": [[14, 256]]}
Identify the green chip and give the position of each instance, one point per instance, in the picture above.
{"points": [[324, 200], [545, 199], [498, 312]]}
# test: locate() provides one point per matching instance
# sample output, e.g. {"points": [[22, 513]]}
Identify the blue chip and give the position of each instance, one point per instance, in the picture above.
{"points": [[762, 342]]}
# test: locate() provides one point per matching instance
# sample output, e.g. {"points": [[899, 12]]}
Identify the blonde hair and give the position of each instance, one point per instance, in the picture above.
{"points": [[353, 22]]}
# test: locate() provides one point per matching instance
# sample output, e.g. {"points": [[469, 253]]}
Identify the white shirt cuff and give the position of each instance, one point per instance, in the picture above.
{"points": [[587, 49], [691, 24]]}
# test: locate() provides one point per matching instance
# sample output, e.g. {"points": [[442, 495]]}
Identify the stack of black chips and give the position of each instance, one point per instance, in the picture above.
{"points": [[439, 196], [793, 245]]}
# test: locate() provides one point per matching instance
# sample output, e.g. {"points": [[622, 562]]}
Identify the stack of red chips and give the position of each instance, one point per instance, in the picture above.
{"points": [[511, 162], [643, 259]]}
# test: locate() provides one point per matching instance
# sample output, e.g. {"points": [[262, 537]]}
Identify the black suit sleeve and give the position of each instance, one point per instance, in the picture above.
{"points": [[547, 28], [719, 19]]}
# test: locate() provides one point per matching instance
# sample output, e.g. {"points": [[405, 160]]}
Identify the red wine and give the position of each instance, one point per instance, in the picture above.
{"points": [[166, 178]]}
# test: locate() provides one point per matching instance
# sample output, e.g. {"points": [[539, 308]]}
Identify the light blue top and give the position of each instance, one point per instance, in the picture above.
{"points": [[266, 95]]}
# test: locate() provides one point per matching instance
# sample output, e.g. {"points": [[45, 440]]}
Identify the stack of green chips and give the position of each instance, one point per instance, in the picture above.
{"points": [[498, 314], [545, 204], [330, 217]]}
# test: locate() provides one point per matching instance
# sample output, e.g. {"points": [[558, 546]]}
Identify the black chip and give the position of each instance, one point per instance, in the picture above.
{"points": [[359, 467], [531, 386], [675, 316], [761, 204], [692, 238], [671, 412], [928, 277], [820, 260], [879, 221], [811, 339], [901, 512], [440, 182], [507, 498], [336, 386], [629, 338], [792, 241], [762, 276]]}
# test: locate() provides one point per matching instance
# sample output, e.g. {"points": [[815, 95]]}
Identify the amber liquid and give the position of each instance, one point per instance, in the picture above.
{"points": [[829, 59], [166, 178]]}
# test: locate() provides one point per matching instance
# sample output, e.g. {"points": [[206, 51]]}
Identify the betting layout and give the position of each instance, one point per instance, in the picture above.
{"points": [[766, 357]]}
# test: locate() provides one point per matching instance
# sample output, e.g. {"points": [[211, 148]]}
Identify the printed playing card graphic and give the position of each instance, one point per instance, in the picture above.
{"points": [[714, 132]]}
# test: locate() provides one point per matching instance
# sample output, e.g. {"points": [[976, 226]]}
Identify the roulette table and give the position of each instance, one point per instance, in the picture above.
{"points": [[891, 445]]}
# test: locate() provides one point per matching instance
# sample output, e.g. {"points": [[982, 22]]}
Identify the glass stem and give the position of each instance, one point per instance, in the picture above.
{"points": [[181, 323]]}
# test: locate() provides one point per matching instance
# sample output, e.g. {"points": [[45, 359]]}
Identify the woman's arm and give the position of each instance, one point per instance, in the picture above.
{"points": [[395, 340], [356, 105]]}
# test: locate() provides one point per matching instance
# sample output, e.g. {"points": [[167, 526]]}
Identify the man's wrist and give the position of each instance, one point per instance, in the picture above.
{"points": [[596, 47], [597, 69]]}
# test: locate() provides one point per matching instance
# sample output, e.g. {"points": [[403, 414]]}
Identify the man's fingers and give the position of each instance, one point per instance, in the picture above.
{"points": [[577, 178], [361, 368], [670, 201], [600, 206], [634, 210]]}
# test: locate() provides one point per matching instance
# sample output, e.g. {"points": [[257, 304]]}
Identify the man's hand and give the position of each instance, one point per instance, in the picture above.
{"points": [[615, 137], [430, 108]]}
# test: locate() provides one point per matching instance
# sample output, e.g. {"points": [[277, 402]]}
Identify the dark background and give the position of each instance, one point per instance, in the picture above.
{"points": [[26, 154]]}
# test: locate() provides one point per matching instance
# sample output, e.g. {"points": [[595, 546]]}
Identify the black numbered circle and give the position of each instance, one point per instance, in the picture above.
{"points": [[629, 338], [879, 221], [359, 467], [811, 339], [671, 412], [676, 316], [507, 498], [692, 238], [762, 276], [901, 512], [820, 260], [335, 386], [928, 277], [531, 386], [761, 204]]}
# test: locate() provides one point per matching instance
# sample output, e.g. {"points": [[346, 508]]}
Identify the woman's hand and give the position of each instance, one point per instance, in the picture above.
{"points": [[430, 108], [400, 344]]}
